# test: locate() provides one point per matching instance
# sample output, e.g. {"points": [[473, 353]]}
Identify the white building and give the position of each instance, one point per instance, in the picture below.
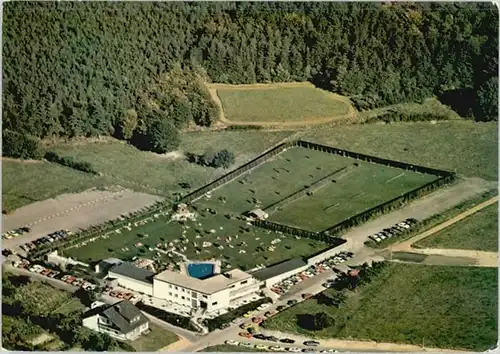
{"points": [[122, 320], [132, 277], [211, 294]]}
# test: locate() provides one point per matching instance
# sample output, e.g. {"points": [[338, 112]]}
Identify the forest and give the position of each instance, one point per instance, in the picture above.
{"points": [[136, 71]]}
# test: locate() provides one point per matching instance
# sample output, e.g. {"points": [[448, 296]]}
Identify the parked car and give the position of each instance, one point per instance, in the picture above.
{"points": [[291, 302], [232, 342], [248, 314], [311, 343], [411, 221], [260, 346], [263, 307], [260, 336], [245, 334], [405, 225], [293, 350], [272, 338], [280, 308], [246, 345], [308, 350], [277, 348], [329, 351], [287, 341], [307, 296]]}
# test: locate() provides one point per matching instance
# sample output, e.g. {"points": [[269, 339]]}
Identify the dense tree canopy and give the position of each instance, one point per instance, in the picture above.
{"points": [[88, 68]]}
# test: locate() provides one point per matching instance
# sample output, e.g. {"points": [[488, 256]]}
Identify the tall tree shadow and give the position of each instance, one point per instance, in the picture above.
{"points": [[461, 100]]}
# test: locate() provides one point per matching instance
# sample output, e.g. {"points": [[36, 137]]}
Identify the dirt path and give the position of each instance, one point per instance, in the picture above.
{"points": [[480, 258], [212, 88], [176, 346], [406, 245]]}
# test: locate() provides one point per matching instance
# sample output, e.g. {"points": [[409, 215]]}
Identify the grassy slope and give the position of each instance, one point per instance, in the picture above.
{"points": [[279, 104], [469, 148], [157, 339], [24, 183], [439, 306], [27, 182], [477, 232]]}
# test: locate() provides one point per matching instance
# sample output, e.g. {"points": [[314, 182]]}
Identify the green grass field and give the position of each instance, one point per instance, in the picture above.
{"points": [[466, 147], [280, 104], [434, 306], [356, 188], [477, 232], [162, 231], [155, 340], [27, 182]]}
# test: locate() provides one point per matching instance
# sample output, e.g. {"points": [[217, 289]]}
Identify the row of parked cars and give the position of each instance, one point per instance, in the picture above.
{"points": [[55, 236], [284, 286], [14, 233], [67, 278], [394, 230], [277, 348]]}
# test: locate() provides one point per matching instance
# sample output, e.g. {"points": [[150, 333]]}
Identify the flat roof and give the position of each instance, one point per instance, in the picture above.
{"points": [[131, 271], [206, 286], [280, 268]]}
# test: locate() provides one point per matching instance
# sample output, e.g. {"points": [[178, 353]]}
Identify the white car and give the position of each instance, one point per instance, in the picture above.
{"points": [[294, 350], [402, 224], [246, 345], [263, 307], [232, 342]]}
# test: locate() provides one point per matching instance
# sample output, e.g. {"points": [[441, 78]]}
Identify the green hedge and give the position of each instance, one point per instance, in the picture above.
{"points": [[217, 322], [20, 146], [172, 318], [395, 116], [70, 162]]}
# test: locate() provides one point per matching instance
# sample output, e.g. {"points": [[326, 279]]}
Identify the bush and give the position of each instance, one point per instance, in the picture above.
{"points": [[176, 320], [394, 116], [217, 322], [68, 161], [223, 158], [245, 127], [20, 146]]}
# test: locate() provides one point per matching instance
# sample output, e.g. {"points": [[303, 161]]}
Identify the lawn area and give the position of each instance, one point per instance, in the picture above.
{"points": [[229, 348], [466, 147], [128, 165], [40, 298], [73, 304], [437, 306], [155, 340], [27, 182], [280, 103], [358, 186], [477, 232], [229, 242]]}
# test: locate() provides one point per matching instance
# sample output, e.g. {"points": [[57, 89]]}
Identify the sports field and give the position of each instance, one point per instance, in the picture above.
{"points": [[280, 103], [339, 187], [434, 306], [477, 232], [239, 245]]}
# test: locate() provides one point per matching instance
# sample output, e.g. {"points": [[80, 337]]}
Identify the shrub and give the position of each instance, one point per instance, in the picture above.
{"points": [[20, 146], [68, 161], [172, 318], [394, 116], [217, 322]]}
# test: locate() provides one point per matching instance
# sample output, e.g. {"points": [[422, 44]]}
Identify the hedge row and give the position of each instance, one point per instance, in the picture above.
{"points": [[318, 236], [372, 159], [245, 127], [395, 116], [218, 322], [237, 172], [302, 192], [70, 162], [172, 318], [389, 205]]}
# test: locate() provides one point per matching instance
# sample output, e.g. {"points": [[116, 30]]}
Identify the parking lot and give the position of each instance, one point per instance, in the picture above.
{"points": [[71, 212]]}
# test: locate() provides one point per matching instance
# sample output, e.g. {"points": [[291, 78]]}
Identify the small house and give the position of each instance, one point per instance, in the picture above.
{"points": [[258, 214]]}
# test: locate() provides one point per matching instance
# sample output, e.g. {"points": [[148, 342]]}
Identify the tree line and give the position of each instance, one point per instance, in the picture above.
{"points": [[96, 68]]}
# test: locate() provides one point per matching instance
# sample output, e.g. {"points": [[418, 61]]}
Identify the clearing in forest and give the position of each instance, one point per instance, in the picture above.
{"points": [[279, 104]]}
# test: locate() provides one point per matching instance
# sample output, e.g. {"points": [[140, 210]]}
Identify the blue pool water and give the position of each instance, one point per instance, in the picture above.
{"points": [[200, 270]]}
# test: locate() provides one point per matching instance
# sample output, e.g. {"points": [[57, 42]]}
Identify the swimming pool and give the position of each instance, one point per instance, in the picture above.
{"points": [[200, 270]]}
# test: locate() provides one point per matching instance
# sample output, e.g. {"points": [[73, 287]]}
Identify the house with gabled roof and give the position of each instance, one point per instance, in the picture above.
{"points": [[122, 320]]}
